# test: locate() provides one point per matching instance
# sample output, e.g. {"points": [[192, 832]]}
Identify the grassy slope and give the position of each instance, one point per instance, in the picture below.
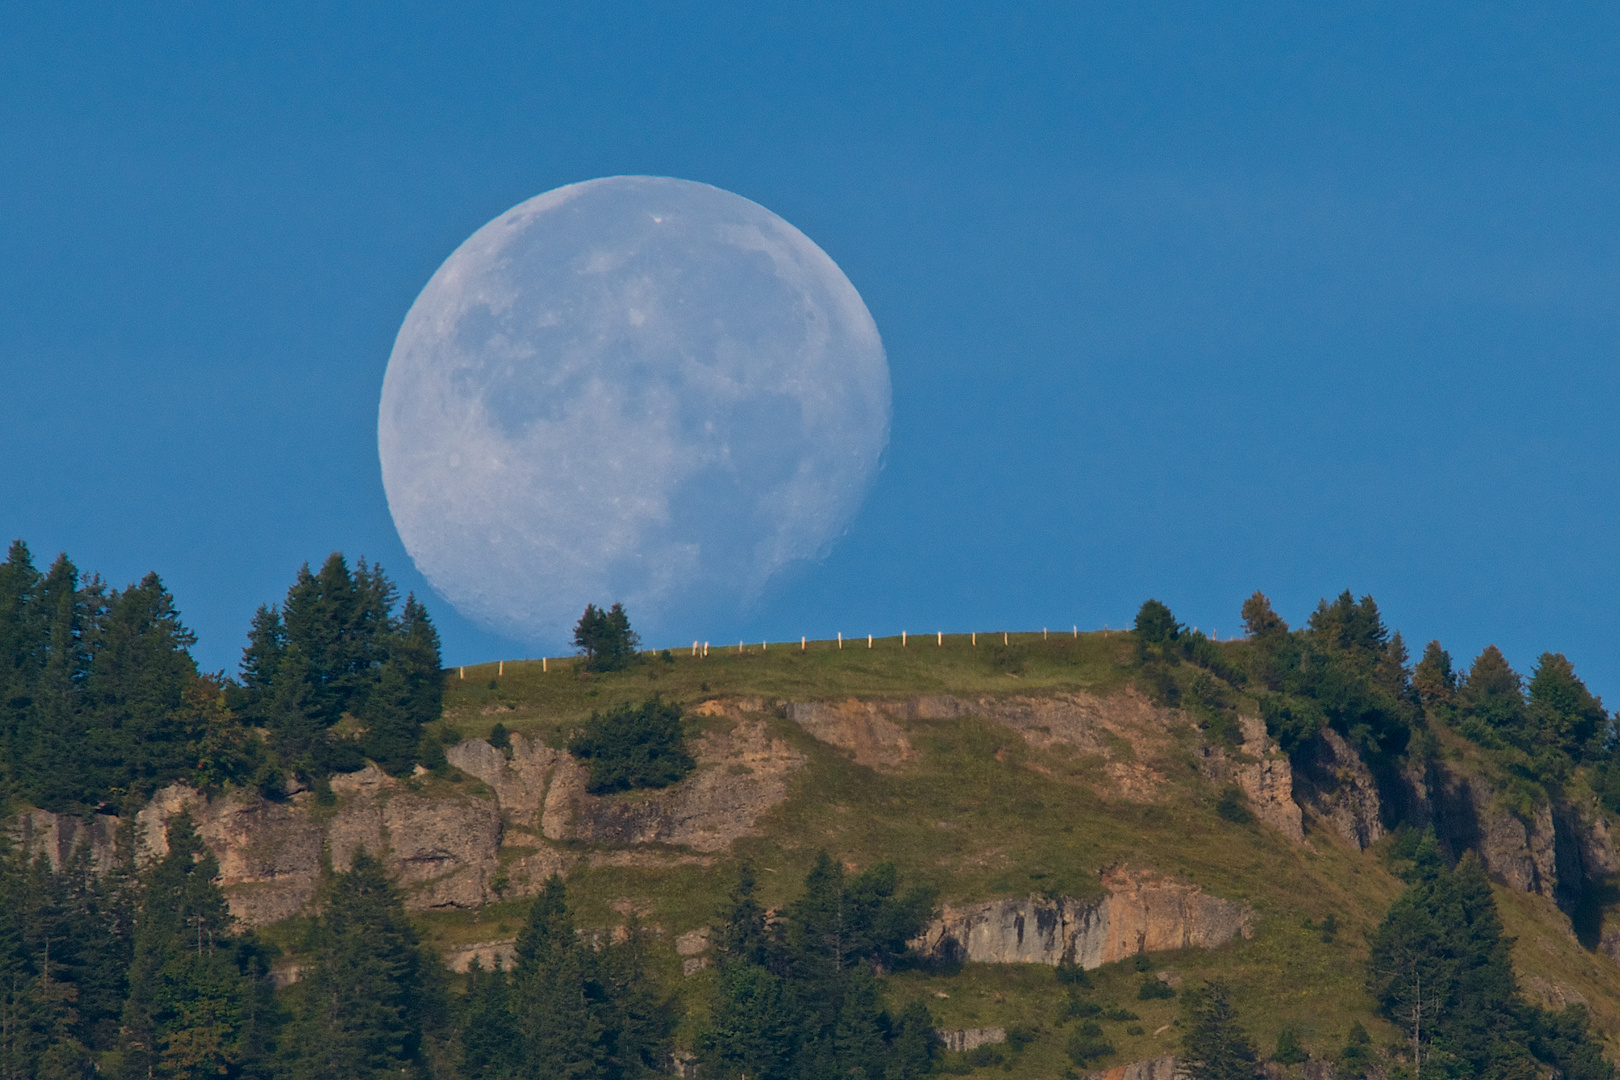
{"points": [[973, 819]]}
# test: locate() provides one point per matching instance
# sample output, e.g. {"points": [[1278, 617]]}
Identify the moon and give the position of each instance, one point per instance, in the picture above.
{"points": [[634, 389]]}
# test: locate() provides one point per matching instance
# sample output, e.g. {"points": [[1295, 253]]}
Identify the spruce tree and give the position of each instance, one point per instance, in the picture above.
{"points": [[1215, 1046], [138, 740], [558, 1006], [489, 1046], [371, 994], [190, 1010]]}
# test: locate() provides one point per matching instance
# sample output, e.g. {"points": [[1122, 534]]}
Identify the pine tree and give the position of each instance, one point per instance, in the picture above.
{"points": [[137, 738], [1433, 679], [605, 637], [189, 1010], [393, 732], [752, 1032], [371, 994], [559, 1014], [1563, 712], [1260, 622], [1215, 1045], [638, 1020], [489, 1047], [1492, 701]]}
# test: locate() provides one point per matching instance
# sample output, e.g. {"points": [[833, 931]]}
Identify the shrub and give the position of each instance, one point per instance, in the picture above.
{"points": [[1076, 1006], [1153, 989], [1289, 1052], [1086, 1044], [633, 746], [1121, 1014], [1230, 807], [1070, 973]]}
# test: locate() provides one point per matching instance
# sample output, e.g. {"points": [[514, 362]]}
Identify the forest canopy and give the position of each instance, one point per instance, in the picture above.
{"points": [[101, 702]]}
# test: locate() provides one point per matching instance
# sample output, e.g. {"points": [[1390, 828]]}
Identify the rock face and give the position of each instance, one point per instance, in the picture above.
{"points": [[456, 846], [440, 848], [1263, 773], [1160, 1068], [57, 836], [1335, 786], [1127, 733], [1140, 913], [861, 727], [970, 1038]]}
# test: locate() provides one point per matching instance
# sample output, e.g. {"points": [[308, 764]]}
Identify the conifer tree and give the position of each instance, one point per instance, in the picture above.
{"points": [[136, 687], [365, 1007], [559, 1015], [489, 1047], [1215, 1045], [190, 1009], [1433, 680], [1563, 713]]}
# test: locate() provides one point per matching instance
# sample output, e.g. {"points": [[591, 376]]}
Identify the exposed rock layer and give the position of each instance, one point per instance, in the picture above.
{"points": [[1140, 913]]}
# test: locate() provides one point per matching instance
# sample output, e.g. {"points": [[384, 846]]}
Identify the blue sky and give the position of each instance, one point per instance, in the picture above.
{"points": [[1179, 300]]}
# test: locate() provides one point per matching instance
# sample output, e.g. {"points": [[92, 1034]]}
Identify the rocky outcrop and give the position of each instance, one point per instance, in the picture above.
{"points": [[1263, 773], [742, 773], [1335, 786], [59, 836], [1159, 1068], [965, 1039], [488, 954], [441, 848], [1521, 854], [448, 845], [518, 779], [1140, 913], [859, 727], [1126, 733]]}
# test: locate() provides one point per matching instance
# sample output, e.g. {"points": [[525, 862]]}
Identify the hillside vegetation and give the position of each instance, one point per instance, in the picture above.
{"points": [[1060, 852]]}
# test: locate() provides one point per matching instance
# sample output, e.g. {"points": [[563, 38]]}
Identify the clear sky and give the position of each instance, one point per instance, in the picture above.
{"points": [[1179, 300]]}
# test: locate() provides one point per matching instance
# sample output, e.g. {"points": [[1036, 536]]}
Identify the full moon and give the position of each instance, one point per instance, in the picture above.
{"points": [[632, 389]]}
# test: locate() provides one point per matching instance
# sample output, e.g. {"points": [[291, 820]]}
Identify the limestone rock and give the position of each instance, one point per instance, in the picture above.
{"points": [[56, 836], [1263, 773], [857, 726], [1335, 785], [1140, 913], [741, 774], [487, 953], [519, 783], [1159, 1068], [970, 1038]]}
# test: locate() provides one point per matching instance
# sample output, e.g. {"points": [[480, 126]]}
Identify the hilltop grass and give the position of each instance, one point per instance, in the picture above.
{"points": [[980, 814], [526, 697]]}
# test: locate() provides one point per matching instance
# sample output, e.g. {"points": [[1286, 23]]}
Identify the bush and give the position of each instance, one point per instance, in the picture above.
{"points": [[1153, 990], [1230, 807], [1087, 1044], [634, 747], [1077, 1006], [1289, 1052], [1119, 1014], [1070, 973]]}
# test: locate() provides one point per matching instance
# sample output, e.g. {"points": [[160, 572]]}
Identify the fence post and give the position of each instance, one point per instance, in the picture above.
{"points": [[1004, 640], [868, 641], [543, 667], [941, 637], [801, 643], [502, 669], [975, 639], [840, 639], [902, 639]]}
